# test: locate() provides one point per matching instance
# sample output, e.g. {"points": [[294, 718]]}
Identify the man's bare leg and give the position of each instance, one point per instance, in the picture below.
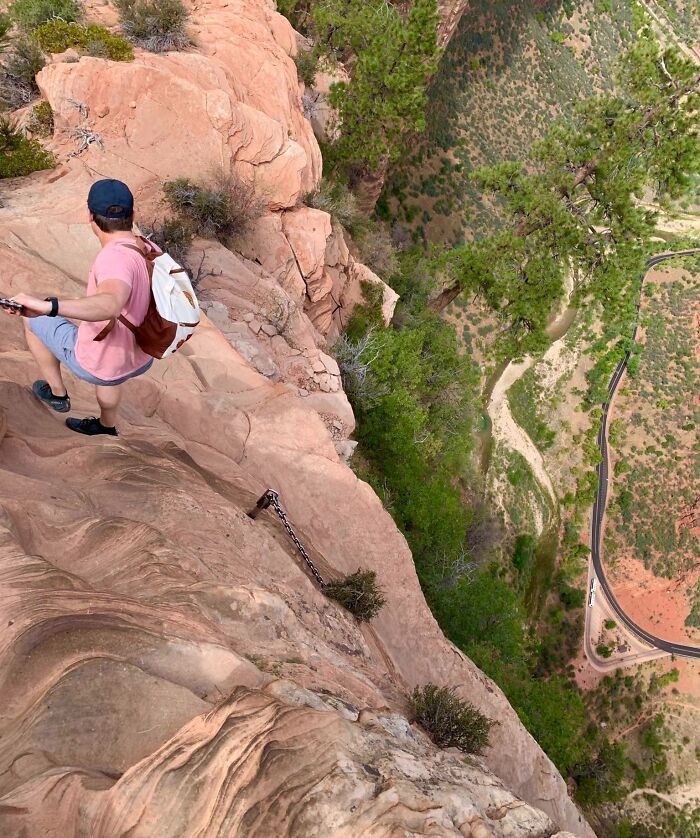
{"points": [[46, 361], [108, 399]]}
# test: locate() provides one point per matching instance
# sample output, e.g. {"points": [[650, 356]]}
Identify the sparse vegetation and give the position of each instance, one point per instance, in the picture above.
{"points": [[18, 74], [57, 36], [307, 65], [359, 593], [222, 209], [654, 496], [450, 721], [155, 25], [377, 251], [174, 236], [334, 197], [29, 14], [364, 318], [20, 156], [41, 122]]}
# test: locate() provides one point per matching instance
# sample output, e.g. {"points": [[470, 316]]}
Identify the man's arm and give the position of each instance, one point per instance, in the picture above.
{"points": [[106, 304]]}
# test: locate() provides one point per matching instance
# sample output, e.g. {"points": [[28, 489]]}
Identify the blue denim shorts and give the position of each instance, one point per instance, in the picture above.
{"points": [[59, 336]]}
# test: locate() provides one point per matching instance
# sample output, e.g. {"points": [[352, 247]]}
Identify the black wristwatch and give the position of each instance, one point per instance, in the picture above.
{"points": [[54, 306]]}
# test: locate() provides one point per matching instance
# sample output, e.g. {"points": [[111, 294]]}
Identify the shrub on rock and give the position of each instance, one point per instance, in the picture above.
{"points": [[29, 14], [335, 198], [174, 236], [57, 36], [449, 721], [41, 121], [18, 74], [221, 210], [155, 25], [358, 593], [307, 64], [18, 155]]}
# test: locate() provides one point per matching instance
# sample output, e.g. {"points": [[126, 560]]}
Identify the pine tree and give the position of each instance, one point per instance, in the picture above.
{"points": [[390, 59], [577, 206]]}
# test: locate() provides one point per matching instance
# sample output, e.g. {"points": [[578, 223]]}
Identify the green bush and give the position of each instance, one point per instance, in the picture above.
{"points": [[297, 12], [29, 14], [610, 624], [358, 593], [602, 779], [155, 25], [571, 597], [174, 236], [221, 210], [449, 721], [367, 316], [18, 155], [18, 75], [307, 65], [41, 121], [57, 36], [524, 552]]}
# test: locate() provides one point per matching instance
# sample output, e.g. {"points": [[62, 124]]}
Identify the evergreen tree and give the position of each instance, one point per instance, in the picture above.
{"points": [[390, 59], [577, 205]]}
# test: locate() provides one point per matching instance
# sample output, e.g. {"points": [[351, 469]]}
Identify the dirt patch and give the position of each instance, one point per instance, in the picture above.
{"points": [[656, 604]]}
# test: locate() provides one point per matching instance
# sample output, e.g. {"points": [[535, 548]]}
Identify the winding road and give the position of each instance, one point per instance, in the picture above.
{"points": [[596, 570]]}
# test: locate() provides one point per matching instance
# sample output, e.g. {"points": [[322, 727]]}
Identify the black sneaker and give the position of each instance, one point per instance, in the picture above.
{"points": [[43, 392], [90, 427]]}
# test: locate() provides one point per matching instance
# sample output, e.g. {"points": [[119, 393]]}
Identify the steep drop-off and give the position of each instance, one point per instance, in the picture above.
{"points": [[168, 667]]}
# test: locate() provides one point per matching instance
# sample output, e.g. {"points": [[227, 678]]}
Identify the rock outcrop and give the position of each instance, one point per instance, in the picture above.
{"points": [[450, 12], [334, 772], [168, 667]]}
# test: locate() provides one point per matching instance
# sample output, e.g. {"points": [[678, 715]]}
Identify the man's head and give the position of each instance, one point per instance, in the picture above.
{"points": [[111, 206]]}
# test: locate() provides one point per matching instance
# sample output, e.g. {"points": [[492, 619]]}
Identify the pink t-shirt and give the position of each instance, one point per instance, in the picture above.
{"points": [[118, 354]]}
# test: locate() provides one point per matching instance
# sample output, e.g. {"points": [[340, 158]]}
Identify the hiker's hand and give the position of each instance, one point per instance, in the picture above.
{"points": [[31, 306]]}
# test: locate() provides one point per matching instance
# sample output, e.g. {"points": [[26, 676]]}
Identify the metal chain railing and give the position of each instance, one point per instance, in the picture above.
{"points": [[271, 498]]}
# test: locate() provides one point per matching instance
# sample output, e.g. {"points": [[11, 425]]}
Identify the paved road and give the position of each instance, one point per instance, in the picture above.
{"points": [[599, 505]]}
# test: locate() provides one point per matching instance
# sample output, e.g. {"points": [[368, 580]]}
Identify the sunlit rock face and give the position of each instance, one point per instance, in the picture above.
{"points": [[168, 667]]}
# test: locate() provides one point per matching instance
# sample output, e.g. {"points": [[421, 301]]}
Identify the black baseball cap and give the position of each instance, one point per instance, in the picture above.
{"points": [[111, 199]]}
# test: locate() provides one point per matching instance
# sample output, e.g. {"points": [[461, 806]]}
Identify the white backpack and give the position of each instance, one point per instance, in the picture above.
{"points": [[173, 311]]}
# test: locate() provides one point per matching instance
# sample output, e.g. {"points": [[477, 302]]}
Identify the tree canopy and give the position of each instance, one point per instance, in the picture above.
{"points": [[581, 205]]}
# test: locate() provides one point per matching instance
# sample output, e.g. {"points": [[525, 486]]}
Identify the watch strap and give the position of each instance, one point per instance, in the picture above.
{"points": [[54, 306]]}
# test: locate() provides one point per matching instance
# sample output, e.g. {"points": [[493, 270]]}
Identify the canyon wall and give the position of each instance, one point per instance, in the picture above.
{"points": [[168, 666]]}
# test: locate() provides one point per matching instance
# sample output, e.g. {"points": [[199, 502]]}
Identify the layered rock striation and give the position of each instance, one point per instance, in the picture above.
{"points": [[168, 666]]}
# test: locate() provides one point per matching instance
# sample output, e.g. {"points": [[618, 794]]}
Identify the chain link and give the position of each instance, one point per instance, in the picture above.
{"points": [[272, 499]]}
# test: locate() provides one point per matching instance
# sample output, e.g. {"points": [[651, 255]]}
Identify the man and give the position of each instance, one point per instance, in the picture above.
{"points": [[118, 284]]}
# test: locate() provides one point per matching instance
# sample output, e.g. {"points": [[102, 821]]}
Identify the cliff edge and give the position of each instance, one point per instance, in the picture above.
{"points": [[168, 666]]}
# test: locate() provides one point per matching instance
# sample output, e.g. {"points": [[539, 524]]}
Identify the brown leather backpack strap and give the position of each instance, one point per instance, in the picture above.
{"points": [[129, 326], [112, 323], [148, 257], [107, 329]]}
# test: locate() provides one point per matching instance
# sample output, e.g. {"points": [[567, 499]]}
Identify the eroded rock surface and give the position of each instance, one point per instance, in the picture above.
{"points": [[136, 594], [160, 650]]}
